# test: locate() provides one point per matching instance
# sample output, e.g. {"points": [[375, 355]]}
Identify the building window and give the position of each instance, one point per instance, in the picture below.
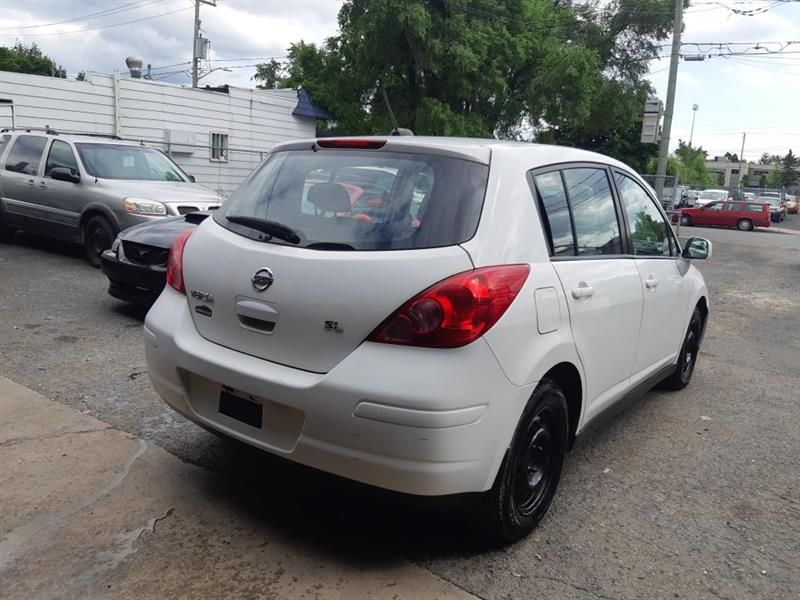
{"points": [[219, 147]]}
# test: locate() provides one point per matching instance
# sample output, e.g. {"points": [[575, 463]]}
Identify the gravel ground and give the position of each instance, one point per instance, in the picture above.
{"points": [[694, 494]]}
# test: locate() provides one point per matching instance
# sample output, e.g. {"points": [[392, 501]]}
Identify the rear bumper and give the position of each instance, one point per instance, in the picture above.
{"points": [[131, 282], [417, 421]]}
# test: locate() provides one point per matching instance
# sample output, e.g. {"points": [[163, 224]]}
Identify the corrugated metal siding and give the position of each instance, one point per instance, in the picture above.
{"points": [[254, 120]]}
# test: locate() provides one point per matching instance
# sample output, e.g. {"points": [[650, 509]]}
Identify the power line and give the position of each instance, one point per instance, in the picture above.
{"points": [[95, 15], [171, 12]]}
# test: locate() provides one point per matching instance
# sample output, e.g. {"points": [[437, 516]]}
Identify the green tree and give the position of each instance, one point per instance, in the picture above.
{"points": [[270, 74], [789, 175], [774, 179], [28, 59], [692, 164], [762, 181], [770, 159], [731, 157], [522, 69], [81, 76]]}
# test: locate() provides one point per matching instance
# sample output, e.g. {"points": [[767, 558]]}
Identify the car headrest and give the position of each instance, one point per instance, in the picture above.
{"points": [[329, 197]]}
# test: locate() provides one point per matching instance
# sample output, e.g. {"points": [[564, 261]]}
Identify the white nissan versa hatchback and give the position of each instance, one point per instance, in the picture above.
{"points": [[432, 316]]}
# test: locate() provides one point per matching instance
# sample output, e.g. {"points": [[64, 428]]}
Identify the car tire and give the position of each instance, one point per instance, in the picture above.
{"points": [[686, 220], [745, 225], [531, 468], [98, 235], [687, 358]]}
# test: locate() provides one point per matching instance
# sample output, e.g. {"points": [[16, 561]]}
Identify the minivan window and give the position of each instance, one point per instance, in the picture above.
{"points": [[650, 233], [554, 201], [60, 156], [362, 199], [122, 161], [26, 154], [596, 225], [3, 142]]}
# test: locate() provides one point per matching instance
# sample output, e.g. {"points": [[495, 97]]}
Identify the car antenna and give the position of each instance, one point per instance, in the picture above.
{"points": [[396, 129]]}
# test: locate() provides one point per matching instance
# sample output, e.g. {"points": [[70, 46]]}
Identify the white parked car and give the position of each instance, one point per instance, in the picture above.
{"points": [[707, 196], [433, 316]]}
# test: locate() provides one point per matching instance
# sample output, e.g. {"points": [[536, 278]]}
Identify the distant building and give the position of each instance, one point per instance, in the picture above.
{"points": [[730, 171], [218, 135]]}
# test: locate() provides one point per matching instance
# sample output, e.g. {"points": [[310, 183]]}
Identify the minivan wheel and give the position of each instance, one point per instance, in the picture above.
{"points": [[686, 220], [528, 477], [745, 224], [687, 359], [97, 237]]}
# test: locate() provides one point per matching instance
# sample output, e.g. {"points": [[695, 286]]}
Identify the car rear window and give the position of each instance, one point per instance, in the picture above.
{"points": [[362, 199]]}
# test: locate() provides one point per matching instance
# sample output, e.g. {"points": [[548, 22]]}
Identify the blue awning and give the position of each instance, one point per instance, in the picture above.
{"points": [[305, 107]]}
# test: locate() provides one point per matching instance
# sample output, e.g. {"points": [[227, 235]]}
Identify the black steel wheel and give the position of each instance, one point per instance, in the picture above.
{"points": [[98, 236], [531, 469], [687, 359]]}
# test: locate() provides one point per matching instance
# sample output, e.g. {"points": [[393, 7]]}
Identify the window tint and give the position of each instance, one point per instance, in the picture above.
{"points": [[363, 200], [596, 225], [554, 200], [755, 208], [61, 156], [650, 233], [25, 155]]}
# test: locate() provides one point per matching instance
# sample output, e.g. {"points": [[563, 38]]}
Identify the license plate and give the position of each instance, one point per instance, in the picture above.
{"points": [[241, 409]]}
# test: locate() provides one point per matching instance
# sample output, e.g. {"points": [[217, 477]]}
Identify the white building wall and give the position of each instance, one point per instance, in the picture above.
{"points": [[157, 112]]}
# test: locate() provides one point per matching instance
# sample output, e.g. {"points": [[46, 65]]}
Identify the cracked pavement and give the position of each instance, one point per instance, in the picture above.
{"points": [[692, 494]]}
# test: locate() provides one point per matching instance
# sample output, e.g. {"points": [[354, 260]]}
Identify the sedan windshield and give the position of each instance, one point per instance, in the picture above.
{"points": [[118, 161]]}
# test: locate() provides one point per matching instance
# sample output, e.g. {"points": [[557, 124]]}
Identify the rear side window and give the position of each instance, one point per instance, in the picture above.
{"points": [[362, 199], [734, 206], [26, 154], [559, 224], [592, 205], [756, 208], [650, 232], [61, 156]]}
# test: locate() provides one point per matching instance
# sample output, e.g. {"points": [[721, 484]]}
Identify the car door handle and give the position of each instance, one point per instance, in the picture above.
{"points": [[651, 282], [584, 290], [43, 185], [31, 182]]}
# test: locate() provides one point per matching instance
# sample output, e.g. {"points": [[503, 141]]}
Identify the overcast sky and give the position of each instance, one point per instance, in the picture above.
{"points": [[760, 96]]}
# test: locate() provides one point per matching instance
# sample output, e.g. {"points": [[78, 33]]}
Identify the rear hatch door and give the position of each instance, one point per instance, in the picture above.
{"points": [[375, 228]]}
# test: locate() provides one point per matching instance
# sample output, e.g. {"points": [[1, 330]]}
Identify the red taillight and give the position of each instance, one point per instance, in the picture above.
{"points": [[456, 311], [356, 144], [175, 261]]}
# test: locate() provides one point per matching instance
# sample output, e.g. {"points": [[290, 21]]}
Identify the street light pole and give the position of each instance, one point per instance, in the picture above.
{"points": [[694, 115], [741, 162], [663, 147]]}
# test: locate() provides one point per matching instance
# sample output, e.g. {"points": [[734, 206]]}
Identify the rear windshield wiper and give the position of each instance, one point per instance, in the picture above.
{"points": [[271, 228]]}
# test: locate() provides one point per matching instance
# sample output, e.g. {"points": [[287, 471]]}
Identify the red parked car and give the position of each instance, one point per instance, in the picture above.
{"points": [[743, 215]]}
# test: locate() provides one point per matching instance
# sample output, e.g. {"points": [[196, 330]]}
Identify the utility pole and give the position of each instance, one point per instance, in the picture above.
{"points": [[663, 147], [197, 4], [741, 162], [694, 116]]}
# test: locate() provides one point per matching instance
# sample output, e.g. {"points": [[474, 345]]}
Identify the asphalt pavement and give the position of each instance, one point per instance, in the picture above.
{"points": [[692, 494]]}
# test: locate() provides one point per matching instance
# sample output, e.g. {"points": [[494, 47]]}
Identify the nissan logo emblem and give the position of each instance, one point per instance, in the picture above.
{"points": [[262, 279]]}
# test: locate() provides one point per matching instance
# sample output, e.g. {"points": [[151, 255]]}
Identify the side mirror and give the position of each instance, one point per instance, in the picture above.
{"points": [[64, 174], [697, 249], [191, 178]]}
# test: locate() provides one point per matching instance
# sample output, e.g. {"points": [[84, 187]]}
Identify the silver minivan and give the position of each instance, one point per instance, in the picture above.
{"points": [[87, 189]]}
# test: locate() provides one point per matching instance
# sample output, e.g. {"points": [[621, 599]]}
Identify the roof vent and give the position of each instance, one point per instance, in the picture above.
{"points": [[134, 66]]}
